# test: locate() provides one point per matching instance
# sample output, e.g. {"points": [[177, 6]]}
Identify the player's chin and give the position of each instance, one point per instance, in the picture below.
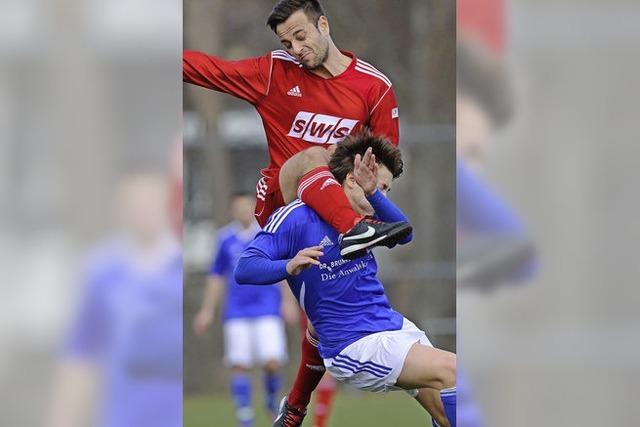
{"points": [[310, 63]]}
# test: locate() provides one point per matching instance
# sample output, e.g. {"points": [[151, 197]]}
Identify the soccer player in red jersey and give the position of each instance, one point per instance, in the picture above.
{"points": [[310, 96]]}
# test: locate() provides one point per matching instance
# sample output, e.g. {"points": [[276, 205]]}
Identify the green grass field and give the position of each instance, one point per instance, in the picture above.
{"points": [[396, 409]]}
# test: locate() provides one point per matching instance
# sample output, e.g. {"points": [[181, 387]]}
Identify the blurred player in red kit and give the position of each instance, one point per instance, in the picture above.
{"points": [[310, 96]]}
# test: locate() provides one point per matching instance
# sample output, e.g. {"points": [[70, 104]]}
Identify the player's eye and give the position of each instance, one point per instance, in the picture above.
{"points": [[287, 45]]}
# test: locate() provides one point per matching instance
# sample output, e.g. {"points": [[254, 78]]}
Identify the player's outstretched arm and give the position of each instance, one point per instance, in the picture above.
{"points": [[366, 172], [256, 268], [247, 79]]}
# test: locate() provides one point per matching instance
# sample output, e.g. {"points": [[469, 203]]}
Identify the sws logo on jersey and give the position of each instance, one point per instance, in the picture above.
{"points": [[321, 128]]}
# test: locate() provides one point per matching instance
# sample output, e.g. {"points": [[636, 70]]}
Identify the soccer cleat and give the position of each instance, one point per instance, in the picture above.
{"points": [[369, 233], [289, 416]]}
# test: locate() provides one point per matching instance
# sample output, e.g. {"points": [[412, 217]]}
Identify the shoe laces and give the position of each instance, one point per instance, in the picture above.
{"points": [[293, 417]]}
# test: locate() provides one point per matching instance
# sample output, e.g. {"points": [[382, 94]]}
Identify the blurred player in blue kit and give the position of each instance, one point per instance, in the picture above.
{"points": [[252, 322], [123, 353], [363, 342]]}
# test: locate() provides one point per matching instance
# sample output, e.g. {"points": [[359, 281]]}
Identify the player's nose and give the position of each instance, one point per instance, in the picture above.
{"points": [[297, 48]]}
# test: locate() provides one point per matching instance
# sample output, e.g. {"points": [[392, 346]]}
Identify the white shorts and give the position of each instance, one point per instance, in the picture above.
{"points": [[374, 363], [254, 340]]}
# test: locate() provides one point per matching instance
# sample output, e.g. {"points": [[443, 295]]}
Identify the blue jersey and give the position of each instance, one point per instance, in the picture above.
{"points": [[130, 324], [344, 300], [246, 301]]}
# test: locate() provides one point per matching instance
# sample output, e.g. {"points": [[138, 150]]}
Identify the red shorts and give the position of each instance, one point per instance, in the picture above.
{"points": [[268, 195]]}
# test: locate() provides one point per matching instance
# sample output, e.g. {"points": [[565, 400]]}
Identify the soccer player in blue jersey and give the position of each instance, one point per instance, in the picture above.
{"points": [[363, 342], [122, 356], [253, 325]]}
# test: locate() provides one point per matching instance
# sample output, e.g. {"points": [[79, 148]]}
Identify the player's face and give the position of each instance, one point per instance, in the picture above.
{"points": [[242, 210], [473, 131], [302, 39], [356, 195], [142, 207]]}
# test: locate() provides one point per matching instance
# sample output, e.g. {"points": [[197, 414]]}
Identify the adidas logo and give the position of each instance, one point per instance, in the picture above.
{"points": [[295, 91], [329, 182], [326, 242]]}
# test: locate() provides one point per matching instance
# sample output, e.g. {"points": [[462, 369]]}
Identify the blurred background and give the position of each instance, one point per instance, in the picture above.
{"points": [[90, 124], [413, 43], [90, 97], [557, 344]]}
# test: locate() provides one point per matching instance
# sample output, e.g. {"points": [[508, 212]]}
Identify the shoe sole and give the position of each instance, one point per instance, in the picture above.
{"points": [[388, 240]]}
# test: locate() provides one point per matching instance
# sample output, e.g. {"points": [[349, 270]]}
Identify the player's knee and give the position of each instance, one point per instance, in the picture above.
{"points": [[240, 369], [447, 370], [314, 157], [272, 367]]}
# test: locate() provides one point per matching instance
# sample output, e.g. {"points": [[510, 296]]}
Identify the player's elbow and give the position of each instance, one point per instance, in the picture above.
{"points": [[242, 274]]}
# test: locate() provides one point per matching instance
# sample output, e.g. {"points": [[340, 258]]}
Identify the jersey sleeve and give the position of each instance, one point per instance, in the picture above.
{"points": [[383, 118], [387, 211], [265, 261], [247, 79], [87, 336], [220, 263]]}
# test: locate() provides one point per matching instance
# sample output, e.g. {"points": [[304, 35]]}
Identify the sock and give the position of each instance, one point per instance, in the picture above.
{"points": [[272, 384], [323, 193], [241, 392], [324, 398], [448, 397], [307, 379]]}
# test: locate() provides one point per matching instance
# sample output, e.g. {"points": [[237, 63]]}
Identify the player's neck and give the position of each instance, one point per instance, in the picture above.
{"points": [[336, 64]]}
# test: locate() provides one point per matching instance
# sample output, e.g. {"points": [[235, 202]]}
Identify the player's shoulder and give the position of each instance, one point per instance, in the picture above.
{"points": [[371, 74], [228, 232], [294, 214], [285, 59]]}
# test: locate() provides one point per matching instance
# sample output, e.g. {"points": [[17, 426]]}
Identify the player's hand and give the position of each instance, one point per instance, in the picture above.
{"points": [[304, 259], [202, 322], [365, 172]]}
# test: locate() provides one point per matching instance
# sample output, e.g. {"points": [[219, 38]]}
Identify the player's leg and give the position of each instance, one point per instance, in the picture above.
{"points": [[430, 400], [306, 176], [429, 367], [238, 355], [310, 371], [272, 385], [271, 348], [433, 371], [324, 400]]}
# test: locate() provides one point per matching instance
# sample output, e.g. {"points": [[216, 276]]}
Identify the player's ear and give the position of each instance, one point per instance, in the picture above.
{"points": [[323, 25], [350, 181]]}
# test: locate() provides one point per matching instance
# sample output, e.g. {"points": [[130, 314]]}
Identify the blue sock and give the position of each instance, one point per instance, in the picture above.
{"points": [[241, 392], [448, 397], [272, 384]]}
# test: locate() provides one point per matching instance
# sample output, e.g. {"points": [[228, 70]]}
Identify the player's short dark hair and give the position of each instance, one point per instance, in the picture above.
{"points": [[484, 78], [285, 8], [342, 160]]}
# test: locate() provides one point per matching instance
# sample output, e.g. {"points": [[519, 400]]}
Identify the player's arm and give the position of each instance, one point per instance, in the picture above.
{"points": [[387, 211], [273, 256], [76, 383], [366, 173], [383, 117], [247, 79], [214, 290]]}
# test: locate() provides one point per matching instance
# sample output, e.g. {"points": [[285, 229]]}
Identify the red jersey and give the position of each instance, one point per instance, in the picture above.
{"points": [[298, 108]]}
